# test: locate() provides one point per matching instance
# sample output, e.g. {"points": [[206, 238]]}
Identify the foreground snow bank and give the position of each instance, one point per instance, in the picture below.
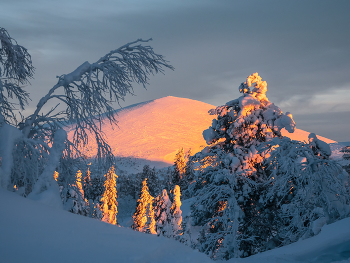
{"points": [[33, 232]]}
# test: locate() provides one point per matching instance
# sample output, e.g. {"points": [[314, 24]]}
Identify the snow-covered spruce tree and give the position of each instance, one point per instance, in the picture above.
{"points": [[256, 190], [143, 219], [87, 188], [168, 179], [109, 198], [87, 185], [73, 197], [185, 236], [176, 213], [162, 215], [189, 177], [152, 179], [87, 94], [179, 167], [346, 151]]}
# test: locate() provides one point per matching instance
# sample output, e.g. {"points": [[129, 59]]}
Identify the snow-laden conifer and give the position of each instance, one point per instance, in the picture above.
{"points": [[109, 198], [73, 197], [162, 214], [176, 212], [143, 219], [256, 190], [179, 167]]}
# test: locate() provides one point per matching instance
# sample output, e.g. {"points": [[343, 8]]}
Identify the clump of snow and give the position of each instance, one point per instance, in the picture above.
{"points": [[320, 145]]}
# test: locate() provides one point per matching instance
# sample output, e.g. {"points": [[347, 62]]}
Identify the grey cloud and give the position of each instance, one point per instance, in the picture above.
{"points": [[299, 47]]}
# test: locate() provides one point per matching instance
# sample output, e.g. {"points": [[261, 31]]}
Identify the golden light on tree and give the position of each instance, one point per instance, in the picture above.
{"points": [[109, 198], [176, 211], [55, 175], [144, 215], [78, 182]]}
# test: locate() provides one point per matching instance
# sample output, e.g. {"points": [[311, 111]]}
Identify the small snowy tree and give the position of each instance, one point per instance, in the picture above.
{"points": [[143, 219], [109, 198], [179, 167], [87, 188], [176, 212], [73, 197], [152, 179], [86, 96], [162, 214]]}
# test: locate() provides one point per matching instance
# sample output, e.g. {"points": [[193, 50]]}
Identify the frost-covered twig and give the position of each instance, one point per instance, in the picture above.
{"points": [[15, 70], [89, 91]]}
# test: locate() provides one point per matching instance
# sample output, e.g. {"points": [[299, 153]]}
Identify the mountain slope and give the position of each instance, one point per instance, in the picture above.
{"points": [[157, 129]]}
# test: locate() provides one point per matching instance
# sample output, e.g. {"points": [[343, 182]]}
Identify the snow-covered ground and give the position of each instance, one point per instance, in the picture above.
{"points": [[33, 232]]}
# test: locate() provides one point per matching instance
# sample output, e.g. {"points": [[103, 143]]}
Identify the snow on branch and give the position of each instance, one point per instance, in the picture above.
{"points": [[89, 91], [15, 69]]}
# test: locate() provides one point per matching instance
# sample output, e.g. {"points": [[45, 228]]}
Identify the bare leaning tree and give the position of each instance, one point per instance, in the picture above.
{"points": [[37, 143]]}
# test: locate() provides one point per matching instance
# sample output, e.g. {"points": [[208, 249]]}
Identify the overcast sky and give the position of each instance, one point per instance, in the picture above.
{"points": [[300, 47]]}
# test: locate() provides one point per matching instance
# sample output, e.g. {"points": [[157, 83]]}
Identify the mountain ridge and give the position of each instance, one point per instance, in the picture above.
{"points": [[155, 130]]}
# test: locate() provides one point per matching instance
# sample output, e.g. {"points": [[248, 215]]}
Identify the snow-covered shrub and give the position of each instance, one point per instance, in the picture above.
{"points": [[143, 219], [256, 190]]}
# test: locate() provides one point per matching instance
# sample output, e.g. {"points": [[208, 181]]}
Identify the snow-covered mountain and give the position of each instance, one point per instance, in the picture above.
{"points": [[152, 132]]}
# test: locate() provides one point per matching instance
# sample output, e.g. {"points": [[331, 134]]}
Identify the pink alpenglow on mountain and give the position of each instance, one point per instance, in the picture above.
{"points": [[155, 130], [300, 135]]}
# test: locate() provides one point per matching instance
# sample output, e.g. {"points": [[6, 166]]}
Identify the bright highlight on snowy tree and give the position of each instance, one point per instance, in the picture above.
{"points": [[256, 190], [144, 216], [180, 167], [176, 211], [38, 144], [109, 198], [162, 214]]}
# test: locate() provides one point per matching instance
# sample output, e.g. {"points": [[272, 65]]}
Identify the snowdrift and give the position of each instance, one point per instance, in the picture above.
{"points": [[33, 232]]}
